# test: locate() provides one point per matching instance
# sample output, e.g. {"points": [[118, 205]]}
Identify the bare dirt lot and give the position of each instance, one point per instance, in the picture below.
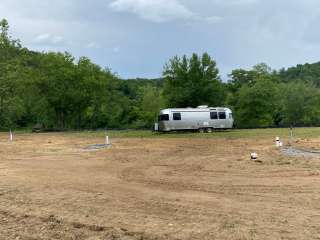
{"points": [[52, 187]]}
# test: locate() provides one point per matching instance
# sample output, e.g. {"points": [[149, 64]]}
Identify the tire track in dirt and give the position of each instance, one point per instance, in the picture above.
{"points": [[167, 178], [52, 227]]}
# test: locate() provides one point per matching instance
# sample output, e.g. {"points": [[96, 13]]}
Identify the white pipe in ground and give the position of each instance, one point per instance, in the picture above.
{"points": [[10, 136], [254, 156], [107, 140]]}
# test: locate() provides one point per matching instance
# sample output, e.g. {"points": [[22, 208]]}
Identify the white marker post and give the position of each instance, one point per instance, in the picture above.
{"points": [[10, 136], [278, 143], [107, 140]]}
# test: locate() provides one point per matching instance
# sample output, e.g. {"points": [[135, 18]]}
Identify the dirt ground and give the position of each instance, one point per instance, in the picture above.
{"points": [[52, 187]]}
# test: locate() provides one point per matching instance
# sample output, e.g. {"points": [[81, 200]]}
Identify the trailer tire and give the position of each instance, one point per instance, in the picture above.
{"points": [[209, 130], [201, 130]]}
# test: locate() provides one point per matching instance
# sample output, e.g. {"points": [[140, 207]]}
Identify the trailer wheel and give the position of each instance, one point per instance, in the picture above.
{"points": [[209, 130], [201, 130]]}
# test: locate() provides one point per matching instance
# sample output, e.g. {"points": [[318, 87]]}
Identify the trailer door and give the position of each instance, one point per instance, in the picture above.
{"points": [[177, 121]]}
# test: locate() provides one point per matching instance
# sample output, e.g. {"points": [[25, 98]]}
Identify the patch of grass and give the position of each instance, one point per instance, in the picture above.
{"points": [[233, 134], [271, 133]]}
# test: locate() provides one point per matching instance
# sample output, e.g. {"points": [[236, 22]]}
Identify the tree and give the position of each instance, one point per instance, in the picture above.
{"points": [[147, 109], [262, 69], [300, 104], [256, 104], [109, 108], [240, 77], [192, 82], [59, 91], [57, 84], [11, 106], [306, 73]]}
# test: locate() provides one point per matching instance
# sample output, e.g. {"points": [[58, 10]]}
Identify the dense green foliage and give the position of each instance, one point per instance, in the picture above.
{"points": [[57, 91], [192, 82], [60, 92], [261, 97]]}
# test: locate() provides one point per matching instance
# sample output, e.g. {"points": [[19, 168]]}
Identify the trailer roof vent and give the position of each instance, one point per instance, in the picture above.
{"points": [[203, 106]]}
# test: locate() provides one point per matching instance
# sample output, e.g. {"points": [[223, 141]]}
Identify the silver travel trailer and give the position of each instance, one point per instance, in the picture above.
{"points": [[202, 119]]}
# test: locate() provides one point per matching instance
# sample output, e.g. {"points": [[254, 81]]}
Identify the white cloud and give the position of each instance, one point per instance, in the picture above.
{"points": [[42, 37], [236, 2], [92, 45], [56, 39], [237, 33], [214, 19], [48, 38], [116, 49], [243, 2], [153, 10]]}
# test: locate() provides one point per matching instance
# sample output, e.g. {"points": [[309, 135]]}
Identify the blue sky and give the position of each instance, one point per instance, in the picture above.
{"points": [[135, 38]]}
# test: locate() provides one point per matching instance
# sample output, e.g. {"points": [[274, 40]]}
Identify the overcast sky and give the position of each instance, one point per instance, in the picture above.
{"points": [[136, 37]]}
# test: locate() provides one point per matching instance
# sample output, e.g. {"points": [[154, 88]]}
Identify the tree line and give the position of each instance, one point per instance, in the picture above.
{"points": [[60, 92]]}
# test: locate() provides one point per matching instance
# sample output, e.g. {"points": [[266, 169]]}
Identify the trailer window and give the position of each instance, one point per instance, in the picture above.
{"points": [[222, 115], [164, 117], [177, 116], [213, 115], [230, 115]]}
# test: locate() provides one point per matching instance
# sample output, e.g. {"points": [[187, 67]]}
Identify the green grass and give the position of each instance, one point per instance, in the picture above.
{"points": [[236, 133]]}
